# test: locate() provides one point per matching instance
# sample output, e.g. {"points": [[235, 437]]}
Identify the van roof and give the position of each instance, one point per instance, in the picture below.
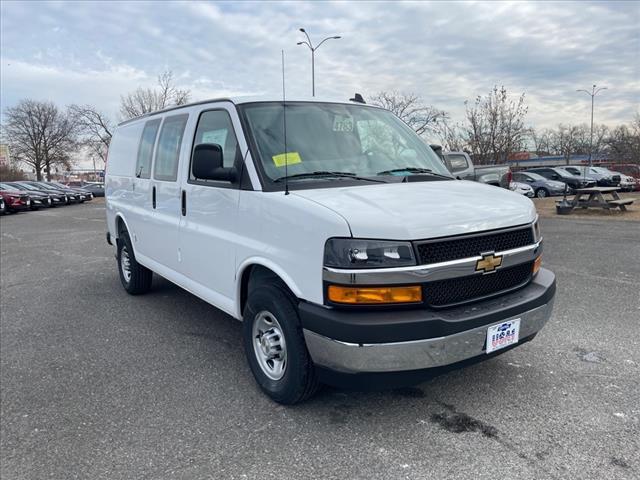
{"points": [[244, 99]]}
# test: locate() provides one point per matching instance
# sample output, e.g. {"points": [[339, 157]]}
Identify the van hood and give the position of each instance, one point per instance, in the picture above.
{"points": [[420, 210]]}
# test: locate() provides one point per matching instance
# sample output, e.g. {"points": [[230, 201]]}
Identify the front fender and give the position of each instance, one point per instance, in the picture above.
{"points": [[263, 262]]}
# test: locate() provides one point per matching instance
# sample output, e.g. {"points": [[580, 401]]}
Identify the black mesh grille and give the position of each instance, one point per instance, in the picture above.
{"points": [[465, 247], [458, 290]]}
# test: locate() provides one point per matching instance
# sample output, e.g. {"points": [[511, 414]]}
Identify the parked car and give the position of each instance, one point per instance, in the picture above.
{"points": [[630, 169], [15, 200], [560, 175], [72, 195], [57, 198], [97, 189], [542, 187], [627, 182], [85, 194], [350, 259], [460, 165], [522, 189], [603, 177], [38, 200]]}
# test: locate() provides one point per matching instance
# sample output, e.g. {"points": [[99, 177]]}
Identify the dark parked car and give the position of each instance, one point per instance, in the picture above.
{"points": [[72, 196], [15, 200], [38, 200], [560, 175], [83, 193], [603, 177], [57, 198], [542, 187], [97, 189]]}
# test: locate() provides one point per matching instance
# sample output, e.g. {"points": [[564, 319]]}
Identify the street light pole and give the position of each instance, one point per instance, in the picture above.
{"points": [[313, 49], [593, 94]]}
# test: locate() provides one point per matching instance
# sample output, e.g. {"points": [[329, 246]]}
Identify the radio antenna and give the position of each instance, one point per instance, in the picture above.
{"points": [[284, 128]]}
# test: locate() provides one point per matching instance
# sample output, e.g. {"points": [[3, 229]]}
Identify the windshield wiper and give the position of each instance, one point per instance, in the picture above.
{"points": [[327, 174], [413, 170]]}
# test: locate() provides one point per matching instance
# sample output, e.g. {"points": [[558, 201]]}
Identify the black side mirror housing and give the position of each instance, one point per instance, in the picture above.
{"points": [[207, 164]]}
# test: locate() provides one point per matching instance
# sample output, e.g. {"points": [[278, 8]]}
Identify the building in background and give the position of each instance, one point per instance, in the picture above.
{"points": [[5, 158]]}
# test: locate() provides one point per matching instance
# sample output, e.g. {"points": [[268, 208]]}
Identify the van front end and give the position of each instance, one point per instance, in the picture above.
{"points": [[467, 298]]}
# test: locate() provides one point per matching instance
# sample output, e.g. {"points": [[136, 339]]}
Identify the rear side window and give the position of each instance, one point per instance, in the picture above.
{"points": [[168, 151], [457, 162], [145, 150], [215, 126]]}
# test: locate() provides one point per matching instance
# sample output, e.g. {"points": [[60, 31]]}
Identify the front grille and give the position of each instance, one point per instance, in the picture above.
{"points": [[471, 246], [452, 291]]}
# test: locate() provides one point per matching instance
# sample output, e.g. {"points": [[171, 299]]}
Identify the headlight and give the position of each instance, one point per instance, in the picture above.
{"points": [[354, 253]]}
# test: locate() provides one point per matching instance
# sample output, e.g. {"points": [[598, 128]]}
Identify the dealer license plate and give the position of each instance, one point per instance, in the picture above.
{"points": [[503, 334]]}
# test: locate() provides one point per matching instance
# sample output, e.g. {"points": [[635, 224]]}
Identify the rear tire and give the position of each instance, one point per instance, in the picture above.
{"points": [[275, 346], [136, 279]]}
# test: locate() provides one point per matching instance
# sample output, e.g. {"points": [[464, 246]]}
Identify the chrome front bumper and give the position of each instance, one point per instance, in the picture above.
{"points": [[416, 354]]}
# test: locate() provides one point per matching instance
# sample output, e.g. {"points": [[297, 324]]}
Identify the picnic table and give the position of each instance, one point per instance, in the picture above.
{"points": [[596, 198]]}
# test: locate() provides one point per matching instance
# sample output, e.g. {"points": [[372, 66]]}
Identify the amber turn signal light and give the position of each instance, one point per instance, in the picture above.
{"points": [[536, 264], [374, 295]]}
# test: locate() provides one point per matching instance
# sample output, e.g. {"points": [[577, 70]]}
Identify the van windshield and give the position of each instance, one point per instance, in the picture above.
{"points": [[337, 142]]}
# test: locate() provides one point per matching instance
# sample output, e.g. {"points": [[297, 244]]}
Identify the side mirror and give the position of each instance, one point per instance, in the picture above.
{"points": [[207, 164]]}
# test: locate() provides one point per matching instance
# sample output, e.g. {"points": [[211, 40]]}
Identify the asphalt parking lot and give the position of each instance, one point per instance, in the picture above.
{"points": [[96, 384]]}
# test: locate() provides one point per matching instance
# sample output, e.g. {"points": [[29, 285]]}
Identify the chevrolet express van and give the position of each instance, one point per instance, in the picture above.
{"points": [[334, 232]]}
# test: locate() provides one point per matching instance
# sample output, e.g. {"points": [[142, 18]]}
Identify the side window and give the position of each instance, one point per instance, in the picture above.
{"points": [[168, 151], [145, 150], [457, 162], [215, 126]]}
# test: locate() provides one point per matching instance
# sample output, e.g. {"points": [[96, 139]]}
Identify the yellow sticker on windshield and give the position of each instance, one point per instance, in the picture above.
{"points": [[289, 158]]}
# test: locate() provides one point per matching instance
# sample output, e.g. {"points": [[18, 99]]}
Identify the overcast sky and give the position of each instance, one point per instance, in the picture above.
{"points": [[85, 52]]}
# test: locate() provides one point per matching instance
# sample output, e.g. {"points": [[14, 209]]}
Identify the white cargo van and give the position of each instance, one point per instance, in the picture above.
{"points": [[342, 242]]}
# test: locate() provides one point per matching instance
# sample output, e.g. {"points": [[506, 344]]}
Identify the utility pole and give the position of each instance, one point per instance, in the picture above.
{"points": [[313, 49], [594, 91]]}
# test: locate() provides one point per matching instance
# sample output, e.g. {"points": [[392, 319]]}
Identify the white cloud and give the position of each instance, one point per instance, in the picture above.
{"points": [[446, 52]]}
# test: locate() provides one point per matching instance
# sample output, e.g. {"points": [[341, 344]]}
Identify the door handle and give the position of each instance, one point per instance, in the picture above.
{"points": [[184, 202], [153, 196]]}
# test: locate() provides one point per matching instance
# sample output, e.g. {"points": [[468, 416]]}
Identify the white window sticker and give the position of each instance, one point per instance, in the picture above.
{"points": [[342, 124]]}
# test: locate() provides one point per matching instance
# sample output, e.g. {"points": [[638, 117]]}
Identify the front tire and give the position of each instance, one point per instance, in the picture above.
{"points": [[275, 347], [135, 278], [542, 193]]}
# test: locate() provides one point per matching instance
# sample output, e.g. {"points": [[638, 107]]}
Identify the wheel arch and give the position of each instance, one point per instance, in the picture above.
{"points": [[257, 269]]}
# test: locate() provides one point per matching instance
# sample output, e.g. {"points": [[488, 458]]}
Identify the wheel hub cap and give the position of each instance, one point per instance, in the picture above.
{"points": [[125, 263], [269, 345]]}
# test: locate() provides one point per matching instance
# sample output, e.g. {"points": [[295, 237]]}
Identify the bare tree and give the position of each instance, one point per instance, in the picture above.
{"points": [[623, 142], [450, 135], [95, 129], [541, 141], [40, 135], [145, 100], [411, 109], [566, 140], [495, 126]]}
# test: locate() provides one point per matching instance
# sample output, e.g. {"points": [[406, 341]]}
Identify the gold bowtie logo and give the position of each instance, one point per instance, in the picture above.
{"points": [[488, 263]]}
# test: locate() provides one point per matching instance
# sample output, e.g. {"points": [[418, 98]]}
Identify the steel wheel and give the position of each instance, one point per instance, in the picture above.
{"points": [[125, 264], [269, 345]]}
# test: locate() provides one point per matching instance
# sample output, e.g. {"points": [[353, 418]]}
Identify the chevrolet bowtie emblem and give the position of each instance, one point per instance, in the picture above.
{"points": [[488, 263]]}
